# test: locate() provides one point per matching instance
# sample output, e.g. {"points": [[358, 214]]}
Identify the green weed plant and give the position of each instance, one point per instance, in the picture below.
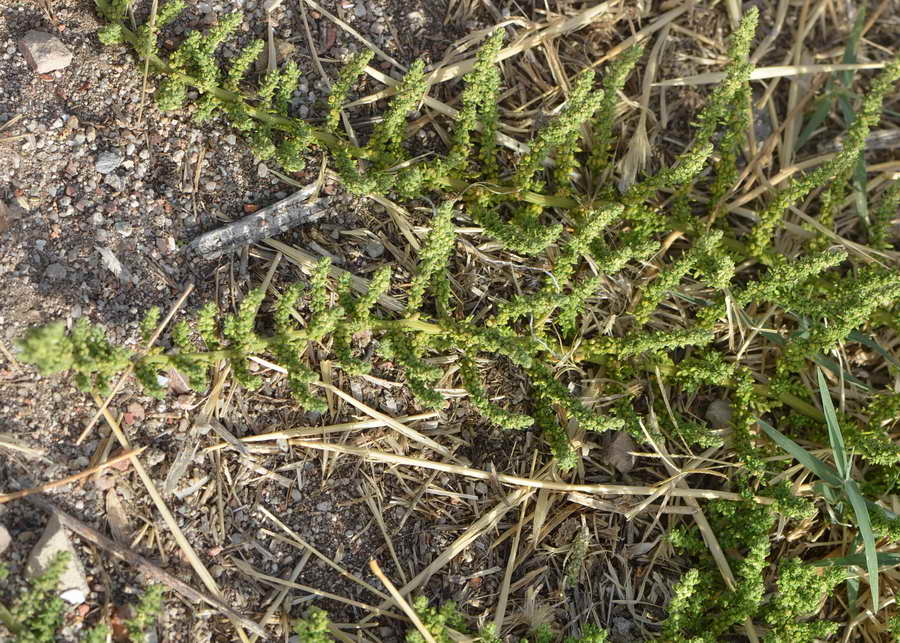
{"points": [[555, 208]]}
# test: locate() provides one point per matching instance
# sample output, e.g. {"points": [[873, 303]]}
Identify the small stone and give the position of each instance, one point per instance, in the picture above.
{"points": [[108, 161], [324, 506], [374, 249], [56, 272], [719, 414], [5, 539], [123, 228], [262, 171], [73, 586], [114, 181], [44, 52], [231, 139], [360, 10]]}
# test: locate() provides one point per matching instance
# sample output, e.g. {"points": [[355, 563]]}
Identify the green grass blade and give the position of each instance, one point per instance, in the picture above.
{"points": [[885, 560], [865, 340], [865, 529], [820, 113], [834, 430], [801, 455]]}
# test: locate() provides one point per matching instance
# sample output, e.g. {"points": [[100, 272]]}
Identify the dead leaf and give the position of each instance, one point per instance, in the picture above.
{"points": [[122, 465], [206, 422], [177, 382], [105, 480], [119, 526], [330, 36], [618, 454], [639, 549]]}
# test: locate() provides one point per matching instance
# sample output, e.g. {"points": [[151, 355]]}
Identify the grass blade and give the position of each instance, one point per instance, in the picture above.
{"points": [[865, 340], [834, 429], [865, 529], [885, 559], [801, 455]]}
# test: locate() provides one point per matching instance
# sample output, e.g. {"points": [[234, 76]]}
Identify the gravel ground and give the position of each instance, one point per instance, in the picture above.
{"points": [[102, 194]]}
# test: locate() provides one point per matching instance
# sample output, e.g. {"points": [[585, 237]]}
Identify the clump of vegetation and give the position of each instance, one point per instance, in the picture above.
{"points": [[445, 624], [555, 210], [37, 614]]}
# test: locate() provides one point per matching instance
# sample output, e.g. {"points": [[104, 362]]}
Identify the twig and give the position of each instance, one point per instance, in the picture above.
{"points": [[6, 497]]}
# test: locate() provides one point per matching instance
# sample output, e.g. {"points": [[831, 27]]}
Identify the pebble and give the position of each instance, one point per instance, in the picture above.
{"points": [[719, 414], [44, 52], [262, 171], [231, 139], [5, 539], [55, 272], [123, 228], [114, 181], [374, 249], [360, 10], [324, 506], [108, 161], [73, 585]]}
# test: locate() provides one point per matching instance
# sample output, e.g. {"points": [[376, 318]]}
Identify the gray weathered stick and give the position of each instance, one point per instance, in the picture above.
{"points": [[263, 224]]}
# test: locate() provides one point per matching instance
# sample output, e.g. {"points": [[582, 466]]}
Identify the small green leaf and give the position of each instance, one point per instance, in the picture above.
{"points": [[865, 529], [885, 559], [834, 429], [801, 455]]}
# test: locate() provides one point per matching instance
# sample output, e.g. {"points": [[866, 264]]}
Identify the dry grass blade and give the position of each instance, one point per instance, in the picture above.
{"points": [[166, 514], [400, 428], [553, 485], [294, 536], [353, 32], [401, 602], [309, 432], [487, 521], [307, 262], [763, 73], [6, 497], [12, 443], [500, 612], [248, 569]]}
